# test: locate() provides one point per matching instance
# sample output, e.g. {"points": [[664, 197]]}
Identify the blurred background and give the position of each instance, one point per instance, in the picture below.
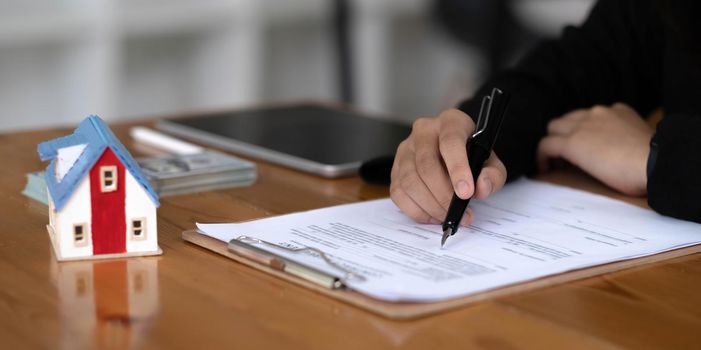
{"points": [[61, 60]]}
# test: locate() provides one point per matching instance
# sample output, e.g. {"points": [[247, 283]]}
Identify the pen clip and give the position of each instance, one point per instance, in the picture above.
{"points": [[483, 118]]}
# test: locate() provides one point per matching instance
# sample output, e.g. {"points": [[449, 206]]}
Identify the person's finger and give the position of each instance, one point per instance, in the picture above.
{"points": [[397, 194], [550, 147], [413, 186], [568, 123], [454, 130], [402, 149], [624, 109], [428, 163], [408, 206], [491, 178], [622, 106]]}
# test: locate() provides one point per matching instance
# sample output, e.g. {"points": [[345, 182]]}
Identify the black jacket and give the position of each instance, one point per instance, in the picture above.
{"points": [[644, 53]]}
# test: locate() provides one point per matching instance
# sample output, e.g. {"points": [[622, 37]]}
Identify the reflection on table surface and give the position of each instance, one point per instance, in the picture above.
{"points": [[106, 303]]}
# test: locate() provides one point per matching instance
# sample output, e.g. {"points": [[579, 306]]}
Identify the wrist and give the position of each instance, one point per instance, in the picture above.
{"points": [[651, 159], [634, 177]]}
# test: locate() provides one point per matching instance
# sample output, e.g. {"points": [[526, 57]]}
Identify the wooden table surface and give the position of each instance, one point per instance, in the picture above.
{"points": [[192, 298]]}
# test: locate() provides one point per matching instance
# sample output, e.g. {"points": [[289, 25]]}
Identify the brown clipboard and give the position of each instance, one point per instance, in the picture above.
{"points": [[411, 310]]}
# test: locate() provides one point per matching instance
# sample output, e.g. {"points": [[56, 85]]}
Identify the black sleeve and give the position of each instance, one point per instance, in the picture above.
{"points": [[674, 168], [615, 56], [674, 177]]}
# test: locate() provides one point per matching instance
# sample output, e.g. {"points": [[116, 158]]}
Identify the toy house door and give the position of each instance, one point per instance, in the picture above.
{"points": [[107, 205]]}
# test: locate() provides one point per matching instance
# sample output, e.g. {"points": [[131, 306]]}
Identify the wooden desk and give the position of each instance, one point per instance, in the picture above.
{"points": [[191, 298]]}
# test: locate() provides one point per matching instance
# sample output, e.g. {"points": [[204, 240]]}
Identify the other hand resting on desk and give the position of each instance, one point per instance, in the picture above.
{"points": [[610, 143]]}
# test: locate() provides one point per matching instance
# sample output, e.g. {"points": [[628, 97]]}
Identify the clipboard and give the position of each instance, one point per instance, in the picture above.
{"points": [[413, 310]]}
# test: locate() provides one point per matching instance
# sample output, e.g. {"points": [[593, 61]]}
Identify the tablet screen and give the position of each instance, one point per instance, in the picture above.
{"points": [[322, 135]]}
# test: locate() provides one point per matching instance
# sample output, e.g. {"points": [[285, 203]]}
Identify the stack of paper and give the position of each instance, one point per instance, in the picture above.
{"points": [[526, 231]]}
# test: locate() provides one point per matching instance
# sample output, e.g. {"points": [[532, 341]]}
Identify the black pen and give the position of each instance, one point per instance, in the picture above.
{"points": [[479, 147]]}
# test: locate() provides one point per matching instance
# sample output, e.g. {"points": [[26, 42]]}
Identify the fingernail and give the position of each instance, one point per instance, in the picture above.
{"points": [[462, 189], [434, 221], [489, 185]]}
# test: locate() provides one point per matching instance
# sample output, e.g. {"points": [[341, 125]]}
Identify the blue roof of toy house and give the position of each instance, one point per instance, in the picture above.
{"points": [[97, 136]]}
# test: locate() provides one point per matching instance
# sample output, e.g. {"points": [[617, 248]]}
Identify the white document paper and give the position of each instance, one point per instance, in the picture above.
{"points": [[527, 230]]}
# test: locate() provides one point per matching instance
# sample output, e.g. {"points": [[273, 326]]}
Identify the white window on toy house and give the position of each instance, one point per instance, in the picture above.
{"points": [[80, 235], [138, 229], [108, 178]]}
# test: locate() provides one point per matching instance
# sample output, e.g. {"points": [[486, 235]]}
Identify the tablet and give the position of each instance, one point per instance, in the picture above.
{"points": [[326, 141]]}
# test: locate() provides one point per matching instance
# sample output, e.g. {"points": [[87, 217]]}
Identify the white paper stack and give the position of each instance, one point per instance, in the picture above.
{"points": [[528, 230]]}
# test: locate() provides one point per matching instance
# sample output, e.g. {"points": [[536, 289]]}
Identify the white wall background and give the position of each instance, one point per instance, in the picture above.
{"points": [[62, 60]]}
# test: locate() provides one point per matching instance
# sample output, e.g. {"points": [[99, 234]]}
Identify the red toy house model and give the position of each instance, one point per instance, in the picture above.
{"points": [[100, 203]]}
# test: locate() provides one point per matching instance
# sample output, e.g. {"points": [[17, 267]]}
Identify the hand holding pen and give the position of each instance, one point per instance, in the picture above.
{"points": [[432, 164], [479, 148]]}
